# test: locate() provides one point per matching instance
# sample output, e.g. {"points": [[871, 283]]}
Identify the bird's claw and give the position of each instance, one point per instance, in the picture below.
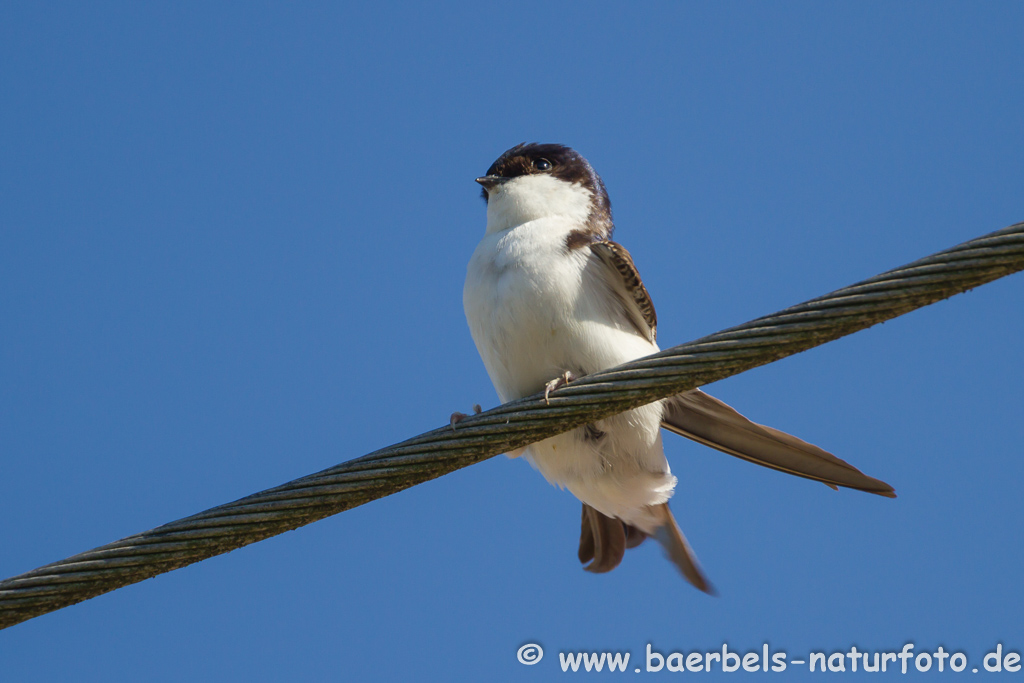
{"points": [[458, 417], [557, 382]]}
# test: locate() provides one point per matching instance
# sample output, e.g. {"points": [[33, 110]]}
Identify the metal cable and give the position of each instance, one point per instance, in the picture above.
{"points": [[511, 426]]}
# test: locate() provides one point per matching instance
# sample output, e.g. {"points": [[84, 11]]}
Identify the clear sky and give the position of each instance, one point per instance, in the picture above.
{"points": [[233, 238]]}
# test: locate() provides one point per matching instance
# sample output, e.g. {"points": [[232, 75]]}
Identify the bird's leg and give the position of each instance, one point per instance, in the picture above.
{"points": [[458, 417], [557, 382]]}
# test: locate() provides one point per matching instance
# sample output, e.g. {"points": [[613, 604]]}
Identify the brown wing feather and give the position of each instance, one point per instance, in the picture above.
{"points": [[678, 550], [625, 280], [711, 422]]}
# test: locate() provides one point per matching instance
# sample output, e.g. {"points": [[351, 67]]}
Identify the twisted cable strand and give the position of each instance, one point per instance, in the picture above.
{"points": [[510, 426]]}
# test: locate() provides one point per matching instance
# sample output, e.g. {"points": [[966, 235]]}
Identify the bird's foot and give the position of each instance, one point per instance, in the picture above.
{"points": [[458, 417], [557, 382]]}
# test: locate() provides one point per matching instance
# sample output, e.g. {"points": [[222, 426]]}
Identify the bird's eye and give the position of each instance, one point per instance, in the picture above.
{"points": [[542, 164]]}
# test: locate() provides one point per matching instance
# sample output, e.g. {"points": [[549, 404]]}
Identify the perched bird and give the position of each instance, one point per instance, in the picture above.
{"points": [[549, 297]]}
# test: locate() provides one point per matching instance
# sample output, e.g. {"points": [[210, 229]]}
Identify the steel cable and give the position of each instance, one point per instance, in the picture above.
{"points": [[510, 426]]}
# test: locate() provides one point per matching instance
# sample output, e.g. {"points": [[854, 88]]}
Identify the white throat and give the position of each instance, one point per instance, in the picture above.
{"points": [[528, 198]]}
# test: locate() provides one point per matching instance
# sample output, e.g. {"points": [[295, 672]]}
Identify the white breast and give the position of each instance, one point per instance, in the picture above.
{"points": [[535, 310], [520, 297]]}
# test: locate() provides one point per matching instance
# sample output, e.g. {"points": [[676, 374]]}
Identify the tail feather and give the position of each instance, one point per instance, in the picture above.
{"points": [[634, 536], [678, 550], [711, 422], [602, 539]]}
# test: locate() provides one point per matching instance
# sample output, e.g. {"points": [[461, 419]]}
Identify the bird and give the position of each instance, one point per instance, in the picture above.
{"points": [[549, 297]]}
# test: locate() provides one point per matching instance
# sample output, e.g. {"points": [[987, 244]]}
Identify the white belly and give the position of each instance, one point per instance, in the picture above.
{"points": [[533, 313]]}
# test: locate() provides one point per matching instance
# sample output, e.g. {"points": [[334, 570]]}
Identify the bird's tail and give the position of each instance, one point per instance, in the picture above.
{"points": [[604, 540]]}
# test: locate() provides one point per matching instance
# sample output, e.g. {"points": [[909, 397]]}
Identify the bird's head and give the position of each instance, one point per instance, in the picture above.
{"points": [[532, 181]]}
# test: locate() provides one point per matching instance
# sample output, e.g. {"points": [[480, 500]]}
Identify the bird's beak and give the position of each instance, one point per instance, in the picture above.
{"points": [[492, 181]]}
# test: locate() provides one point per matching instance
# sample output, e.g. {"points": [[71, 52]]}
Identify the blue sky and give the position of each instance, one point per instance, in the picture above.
{"points": [[233, 239]]}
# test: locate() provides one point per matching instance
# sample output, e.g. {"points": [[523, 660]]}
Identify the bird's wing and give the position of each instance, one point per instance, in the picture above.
{"points": [[620, 274], [678, 550], [707, 420]]}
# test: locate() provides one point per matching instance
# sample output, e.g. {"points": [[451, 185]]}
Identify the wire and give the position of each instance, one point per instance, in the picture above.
{"points": [[510, 426]]}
